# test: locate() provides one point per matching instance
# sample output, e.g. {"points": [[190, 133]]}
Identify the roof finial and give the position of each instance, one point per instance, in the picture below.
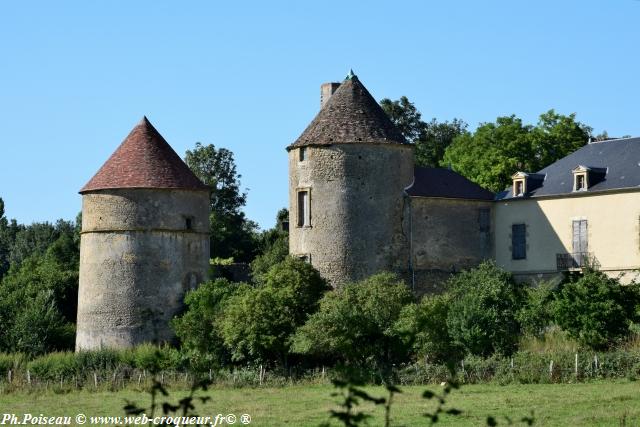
{"points": [[351, 75]]}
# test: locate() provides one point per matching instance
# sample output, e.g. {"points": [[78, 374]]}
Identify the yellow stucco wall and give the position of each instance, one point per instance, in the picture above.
{"points": [[613, 230]]}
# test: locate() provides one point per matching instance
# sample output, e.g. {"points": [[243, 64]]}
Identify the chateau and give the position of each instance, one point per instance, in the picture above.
{"points": [[357, 206]]}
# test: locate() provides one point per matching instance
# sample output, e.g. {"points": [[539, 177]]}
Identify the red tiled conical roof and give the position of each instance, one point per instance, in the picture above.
{"points": [[350, 116], [144, 160]]}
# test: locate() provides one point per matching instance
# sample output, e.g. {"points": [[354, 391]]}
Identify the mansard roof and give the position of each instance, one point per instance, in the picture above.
{"points": [[445, 183], [350, 116], [614, 163], [144, 160]]}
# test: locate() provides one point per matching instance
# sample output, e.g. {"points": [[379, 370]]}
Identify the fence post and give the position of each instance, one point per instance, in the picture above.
{"points": [[323, 372], [576, 365], [95, 379], [551, 369], [9, 376], [139, 377], [595, 361], [210, 374], [28, 377], [512, 363]]}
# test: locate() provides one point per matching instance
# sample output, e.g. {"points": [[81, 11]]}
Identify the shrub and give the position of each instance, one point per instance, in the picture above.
{"points": [[199, 327], [536, 315], [155, 359], [423, 328], [355, 324], [53, 366], [596, 310], [482, 314], [258, 323]]}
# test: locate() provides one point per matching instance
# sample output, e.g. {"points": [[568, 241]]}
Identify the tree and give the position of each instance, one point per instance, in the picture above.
{"points": [[232, 234], [355, 323], [482, 317], [495, 151], [423, 328], [273, 245], [596, 310], [430, 139], [258, 325], [198, 328]]}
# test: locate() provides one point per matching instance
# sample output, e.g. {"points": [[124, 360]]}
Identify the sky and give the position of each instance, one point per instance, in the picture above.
{"points": [[76, 76]]}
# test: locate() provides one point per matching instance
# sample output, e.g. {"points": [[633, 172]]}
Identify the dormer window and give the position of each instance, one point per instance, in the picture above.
{"points": [[585, 177], [519, 184], [526, 183]]}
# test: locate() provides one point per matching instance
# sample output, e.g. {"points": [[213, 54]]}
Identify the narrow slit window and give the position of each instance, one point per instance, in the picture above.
{"points": [[304, 214], [188, 223], [302, 153]]}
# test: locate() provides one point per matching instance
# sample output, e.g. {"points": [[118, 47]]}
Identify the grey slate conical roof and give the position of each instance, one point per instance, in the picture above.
{"points": [[350, 116], [144, 160]]}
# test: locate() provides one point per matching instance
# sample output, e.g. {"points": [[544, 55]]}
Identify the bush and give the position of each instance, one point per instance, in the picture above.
{"points": [[257, 324], [423, 328], [199, 327], [155, 359], [482, 314], [596, 310], [536, 315], [54, 366], [355, 324]]}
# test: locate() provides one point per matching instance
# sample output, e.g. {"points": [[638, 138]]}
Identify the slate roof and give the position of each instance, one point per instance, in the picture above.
{"points": [[144, 160], [614, 163], [350, 116], [438, 182]]}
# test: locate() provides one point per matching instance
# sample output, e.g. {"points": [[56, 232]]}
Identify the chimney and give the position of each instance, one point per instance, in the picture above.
{"points": [[326, 90]]}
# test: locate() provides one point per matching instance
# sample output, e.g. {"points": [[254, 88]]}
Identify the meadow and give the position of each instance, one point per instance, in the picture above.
{"points": [[598, 403]]}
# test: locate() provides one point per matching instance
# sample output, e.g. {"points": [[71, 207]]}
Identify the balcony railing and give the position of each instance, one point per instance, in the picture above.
{"points": [[576, 260]]}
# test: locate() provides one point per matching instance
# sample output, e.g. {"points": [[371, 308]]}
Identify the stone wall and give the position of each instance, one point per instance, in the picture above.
{"points": [[141, 250], [447, 236], [357, 208]]}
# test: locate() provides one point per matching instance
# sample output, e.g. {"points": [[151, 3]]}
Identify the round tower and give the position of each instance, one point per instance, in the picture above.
{"points": [[144, 243], [347, 175]]}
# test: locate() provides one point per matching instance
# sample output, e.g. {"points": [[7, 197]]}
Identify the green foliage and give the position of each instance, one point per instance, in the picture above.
{"points": [[273, 246], [596, 310], [155, 359], [257, 325], [495, 151], [431, 139], [355, 324], [423, 328], [232, 234], [199, 327], [482, 314], [536, 315]]}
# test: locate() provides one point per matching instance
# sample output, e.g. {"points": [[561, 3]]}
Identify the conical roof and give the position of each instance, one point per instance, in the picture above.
{"points": [[350, 116], [144, 160]]}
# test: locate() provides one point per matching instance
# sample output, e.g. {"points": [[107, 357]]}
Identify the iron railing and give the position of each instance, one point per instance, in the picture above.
{"points": [[575, 260]]}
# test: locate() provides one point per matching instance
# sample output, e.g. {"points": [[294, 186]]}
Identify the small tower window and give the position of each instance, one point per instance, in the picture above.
{"points": [[302, 154], [188, 223], [304, 209]]}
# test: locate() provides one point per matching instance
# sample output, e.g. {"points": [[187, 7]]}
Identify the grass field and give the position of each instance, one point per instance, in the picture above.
{"points": [[590, 404]]}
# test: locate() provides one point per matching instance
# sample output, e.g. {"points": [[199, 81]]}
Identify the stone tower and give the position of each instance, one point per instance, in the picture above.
{"points": [[145, 241], [347, 175]]}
